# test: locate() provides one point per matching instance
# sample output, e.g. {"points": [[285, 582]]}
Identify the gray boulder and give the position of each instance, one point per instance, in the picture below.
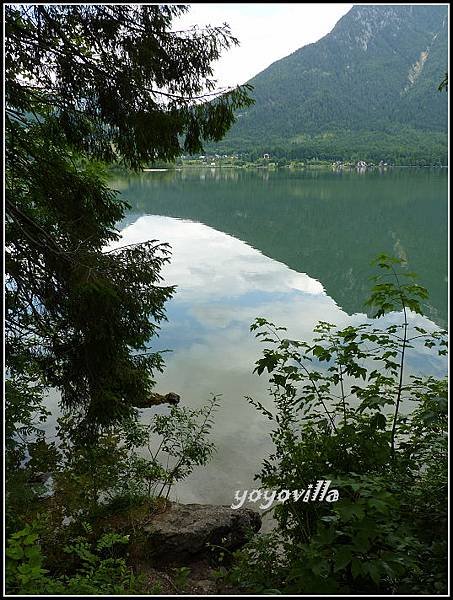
{"points": [[184, 531]]}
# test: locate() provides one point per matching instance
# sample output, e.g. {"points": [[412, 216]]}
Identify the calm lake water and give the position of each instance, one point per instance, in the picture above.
{"points": [[293, 247]]}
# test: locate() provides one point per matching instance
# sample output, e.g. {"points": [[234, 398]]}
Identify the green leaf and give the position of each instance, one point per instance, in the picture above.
{"points": [[356, 568], [15, 552], [343, 557], [350, 511], [374, 571]]}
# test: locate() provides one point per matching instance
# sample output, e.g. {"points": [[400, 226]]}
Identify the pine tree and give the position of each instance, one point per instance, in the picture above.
{"points": [[90, 84]]}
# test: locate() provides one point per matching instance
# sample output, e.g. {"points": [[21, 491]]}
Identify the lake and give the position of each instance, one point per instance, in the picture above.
{"points": [[292, 246]]}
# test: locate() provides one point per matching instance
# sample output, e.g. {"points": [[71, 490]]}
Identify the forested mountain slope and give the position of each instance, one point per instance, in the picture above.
{"points": [[375, 74]]}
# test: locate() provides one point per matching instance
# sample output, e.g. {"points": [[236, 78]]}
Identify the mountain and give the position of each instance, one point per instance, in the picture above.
{"points": [[372, 81]]}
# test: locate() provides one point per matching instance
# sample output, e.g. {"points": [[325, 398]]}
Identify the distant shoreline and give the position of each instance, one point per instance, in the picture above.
{"points": [[331, 167], [294, 167]]}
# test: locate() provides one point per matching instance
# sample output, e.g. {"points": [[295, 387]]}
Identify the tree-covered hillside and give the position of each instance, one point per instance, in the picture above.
{"points": [[374, 78]]}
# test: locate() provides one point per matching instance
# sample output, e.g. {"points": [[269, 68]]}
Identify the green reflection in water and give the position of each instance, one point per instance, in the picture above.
{"points": [[326, 224]]}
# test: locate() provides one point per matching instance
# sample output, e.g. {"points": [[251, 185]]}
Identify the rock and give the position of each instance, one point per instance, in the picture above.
{"points": [[185, 531]]}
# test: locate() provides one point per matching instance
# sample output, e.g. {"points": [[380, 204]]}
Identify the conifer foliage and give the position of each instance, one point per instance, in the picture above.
{"points": [[87, 85]]}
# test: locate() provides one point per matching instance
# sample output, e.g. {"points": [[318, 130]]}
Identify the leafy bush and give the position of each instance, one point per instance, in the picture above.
{"points": [[97, 571], [99, 492], [134, 460], [344, 423]]}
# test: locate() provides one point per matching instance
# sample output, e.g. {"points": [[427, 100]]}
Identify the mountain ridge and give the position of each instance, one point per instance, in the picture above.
{"points": [[376, 71]]}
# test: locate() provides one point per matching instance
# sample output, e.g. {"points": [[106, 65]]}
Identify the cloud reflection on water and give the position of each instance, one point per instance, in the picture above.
{"points": [[223, 285]]}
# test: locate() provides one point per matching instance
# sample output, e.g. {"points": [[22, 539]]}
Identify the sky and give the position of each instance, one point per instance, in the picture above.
{"points": [[266, 32]]}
